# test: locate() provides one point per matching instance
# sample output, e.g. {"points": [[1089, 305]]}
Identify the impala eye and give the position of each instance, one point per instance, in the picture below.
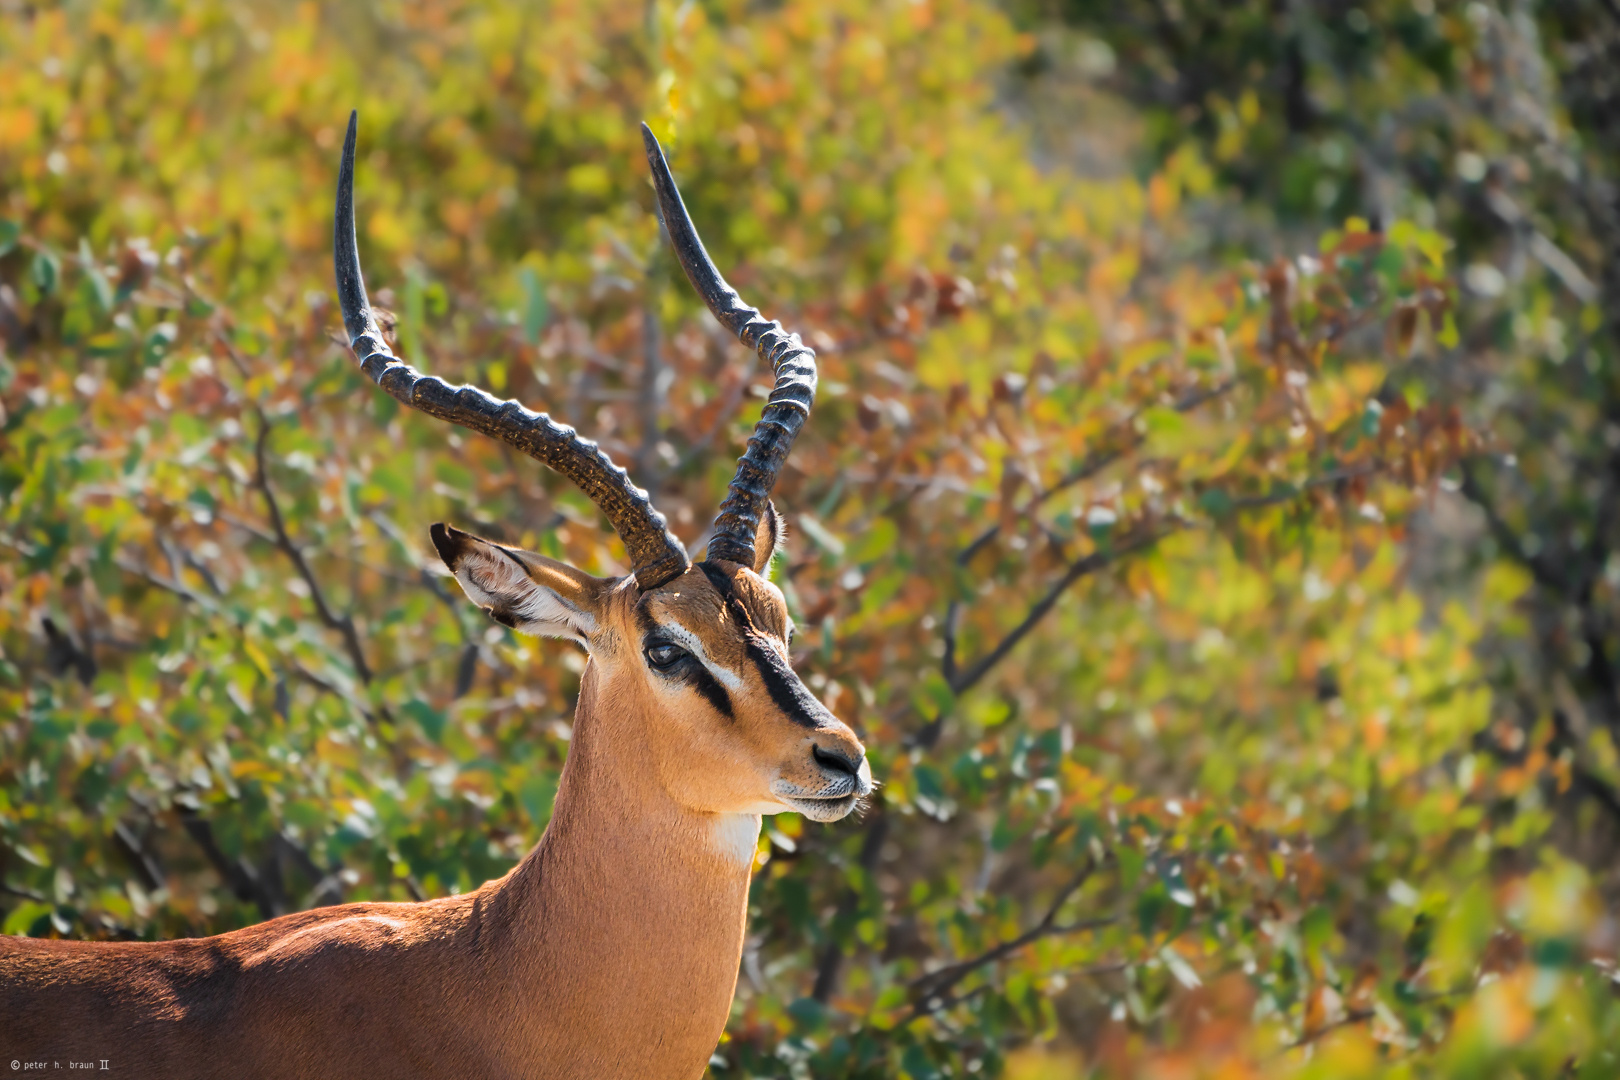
{"points": [[664, 655]]}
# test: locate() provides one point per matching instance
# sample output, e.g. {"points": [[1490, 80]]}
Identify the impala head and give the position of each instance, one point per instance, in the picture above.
{"points": [[698, 652]]}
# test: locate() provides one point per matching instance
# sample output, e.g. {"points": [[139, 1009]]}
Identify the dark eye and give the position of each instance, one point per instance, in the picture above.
{"points": [[664, 656]]}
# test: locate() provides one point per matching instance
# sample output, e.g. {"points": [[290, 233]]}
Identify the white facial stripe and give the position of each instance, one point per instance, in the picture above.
{"points": [[692, 644], [494, 580]]}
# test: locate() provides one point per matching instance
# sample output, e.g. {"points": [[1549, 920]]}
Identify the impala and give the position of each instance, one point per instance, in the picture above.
{"points": [[612, 949]]}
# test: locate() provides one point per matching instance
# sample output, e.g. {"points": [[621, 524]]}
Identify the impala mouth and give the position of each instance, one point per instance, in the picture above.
{"points": [[822, 807], [847, 783]]}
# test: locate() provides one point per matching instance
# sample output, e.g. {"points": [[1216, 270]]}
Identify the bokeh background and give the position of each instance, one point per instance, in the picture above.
{"points": [[1208, 517]]}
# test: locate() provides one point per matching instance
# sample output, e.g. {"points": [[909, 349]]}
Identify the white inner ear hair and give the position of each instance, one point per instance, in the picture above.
{"points": [[780, 545], [493, 579]]}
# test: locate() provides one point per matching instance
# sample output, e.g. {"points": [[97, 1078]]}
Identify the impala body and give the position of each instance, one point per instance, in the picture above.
{"points": [[612, 950]]}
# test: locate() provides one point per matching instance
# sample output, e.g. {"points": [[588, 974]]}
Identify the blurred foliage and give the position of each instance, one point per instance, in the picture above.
{"points": [[1103, 534], [1498, 125]]}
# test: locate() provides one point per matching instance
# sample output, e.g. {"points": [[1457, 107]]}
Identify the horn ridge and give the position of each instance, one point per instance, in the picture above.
{"points": [[655, 554], [793, 362]]}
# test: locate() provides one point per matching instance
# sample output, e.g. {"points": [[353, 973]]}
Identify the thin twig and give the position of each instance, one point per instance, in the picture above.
{"points": [[650, 394], [722, 416], [1095, 462], [425, 577], [940, 1004], [22, 891], [1354, 1016], [326, 686], [343, 624], [131, 567], [1333, 476]]}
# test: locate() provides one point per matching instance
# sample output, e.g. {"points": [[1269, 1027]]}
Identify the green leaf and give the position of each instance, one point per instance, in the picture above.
{"points": [[45, 270], [876, 542], [26, 918], [98, 280], [1448, 335], [821, 536], [429, 719], [536, 310], [1216, 503]]}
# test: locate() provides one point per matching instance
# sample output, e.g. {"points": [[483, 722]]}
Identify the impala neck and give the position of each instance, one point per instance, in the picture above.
{"points": [[628, 917]]}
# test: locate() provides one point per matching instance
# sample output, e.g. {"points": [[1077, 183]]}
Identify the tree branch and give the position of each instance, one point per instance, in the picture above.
{"points": [[929, 991], [967, 679], [1576, 592], [1503, 533], [245, 882], [953, 621], [146, 866], [327, 888]]}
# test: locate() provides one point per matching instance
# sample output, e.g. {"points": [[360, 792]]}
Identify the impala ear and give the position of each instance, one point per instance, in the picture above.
{"points": [[768, 538], [520, 589]]}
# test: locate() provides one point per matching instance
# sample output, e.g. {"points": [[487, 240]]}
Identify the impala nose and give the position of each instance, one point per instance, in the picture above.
{"points": [[840, 762], [837, 760]]}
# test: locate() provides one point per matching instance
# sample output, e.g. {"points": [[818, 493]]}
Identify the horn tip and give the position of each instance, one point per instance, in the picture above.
{"points": [[655, 151]]}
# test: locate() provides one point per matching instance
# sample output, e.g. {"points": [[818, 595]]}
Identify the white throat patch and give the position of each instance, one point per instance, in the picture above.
{"points": [[735, 837]]}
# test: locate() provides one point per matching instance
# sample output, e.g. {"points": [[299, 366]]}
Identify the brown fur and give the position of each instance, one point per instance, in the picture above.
{"points": [[610, 951]]}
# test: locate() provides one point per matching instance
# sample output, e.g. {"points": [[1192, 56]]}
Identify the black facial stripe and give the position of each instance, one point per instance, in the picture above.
{"points": [[786, 689], [704, 683]]}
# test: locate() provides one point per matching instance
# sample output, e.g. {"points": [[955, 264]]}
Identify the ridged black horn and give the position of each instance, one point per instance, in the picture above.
{"points": [[654, 552], [793, 362]]}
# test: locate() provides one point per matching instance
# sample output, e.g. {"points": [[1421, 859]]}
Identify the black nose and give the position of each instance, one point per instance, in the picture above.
{"points": [[837, 760]]}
